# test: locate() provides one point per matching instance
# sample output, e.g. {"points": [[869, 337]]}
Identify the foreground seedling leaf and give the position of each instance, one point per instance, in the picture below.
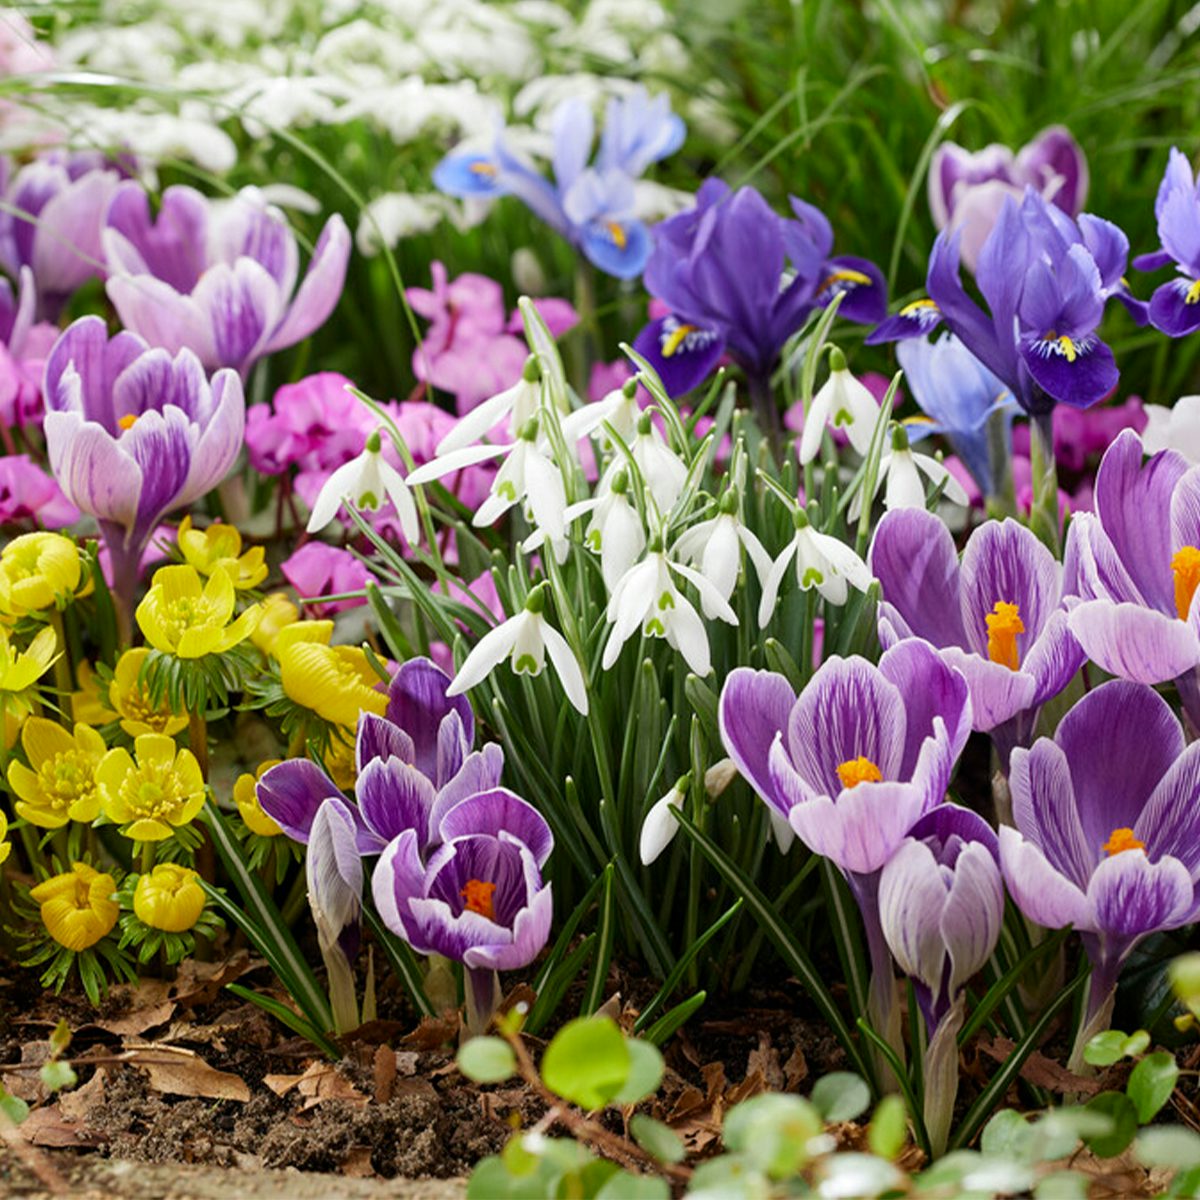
{"points": [[841, 1096], [1151, 1084], [487, 1060], [588, 1062]]}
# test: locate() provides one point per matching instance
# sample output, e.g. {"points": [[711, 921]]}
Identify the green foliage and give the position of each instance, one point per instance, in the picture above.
{"points": [[487, 1060], [588, 1062], [841, 1096]]}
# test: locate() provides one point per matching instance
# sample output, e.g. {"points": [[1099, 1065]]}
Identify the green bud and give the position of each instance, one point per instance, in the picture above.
{"points": [[374, 442], [899, 436], [535, 602], [531, 372], [643, 425], [800, 519], [529, 431], [1185, 976], [630, 386], [728, 504], [837, 360], [620, 482], [683, 784]]}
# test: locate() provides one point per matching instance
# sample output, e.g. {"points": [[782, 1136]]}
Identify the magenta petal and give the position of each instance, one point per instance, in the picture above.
{"points": [[753, 711], [1134, 642]]}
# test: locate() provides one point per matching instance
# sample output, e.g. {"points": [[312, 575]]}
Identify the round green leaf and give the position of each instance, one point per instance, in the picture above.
{"points": [[1105, 1048], [492, 1180], [1062, 1185], [1151, 1084], [1169, 1146], [624, 1186], [56, 1075], [1120, 1110], [645, 1072], [772, 1132], [655, 1138], [841, 1096], [587, 1062], [888, 1133], [487, 1059], [1007, 1135]]}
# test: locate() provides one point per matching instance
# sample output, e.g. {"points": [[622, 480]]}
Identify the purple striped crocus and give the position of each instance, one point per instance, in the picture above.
{"points": [[217, 276], [1107, 836], [133, 434], [997, 616]]}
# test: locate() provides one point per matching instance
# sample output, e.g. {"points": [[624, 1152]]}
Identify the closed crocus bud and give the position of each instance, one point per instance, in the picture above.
{"points": [[169, 898], [659, 827], [77, 907]]}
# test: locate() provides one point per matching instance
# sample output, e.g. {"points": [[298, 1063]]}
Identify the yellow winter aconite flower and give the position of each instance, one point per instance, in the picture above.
{"points": [[89, 704], [278, 612], [37, 571], [19, 671], [335, 682], [59, 785], [77, 907], [179, 615], [132, 702], [5, 844], [219, 548], [245, 797], [340, 759], [162, 789], [169, 898]]}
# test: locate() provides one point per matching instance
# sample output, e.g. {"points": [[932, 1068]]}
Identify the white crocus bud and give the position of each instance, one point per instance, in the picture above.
{"points": [[660, 827], [842, 403]]}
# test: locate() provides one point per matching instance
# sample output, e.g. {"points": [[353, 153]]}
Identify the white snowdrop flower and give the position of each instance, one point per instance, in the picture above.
{"points": [[901, 469], [519, 403], [366, 482], [615, 530], [619, 409], [663, 470], [660, 827], [822, 562], [842, 403], [719, 776], [287, 195], [1175, 428], [646, 597], [525, 640], [390, 218], [654, 202], [713, 547]]}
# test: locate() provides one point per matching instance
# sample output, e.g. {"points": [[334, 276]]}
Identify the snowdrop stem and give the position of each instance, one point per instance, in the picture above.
{"points": [[1003, 500], [870, 476]]}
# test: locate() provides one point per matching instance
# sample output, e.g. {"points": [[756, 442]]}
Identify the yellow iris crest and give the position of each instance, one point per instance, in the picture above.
{"points": [[219, 548], [77, 907], [59, 784], [182, 616], [278, 612], [169, 898], [335, 682], [38, 571], [245, 796], [152, 795], [131, 701]]}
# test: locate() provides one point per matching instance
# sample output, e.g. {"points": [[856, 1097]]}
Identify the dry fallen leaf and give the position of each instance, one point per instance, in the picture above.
{"points": [[200, 983], [48, 1127], [320, 1082], [178, 1072], [385, 1073], [357, 1163], [433, 1032], [138, 1021], [77, 1104]]}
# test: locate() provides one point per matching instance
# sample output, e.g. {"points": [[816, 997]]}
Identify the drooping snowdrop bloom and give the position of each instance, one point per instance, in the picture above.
{"points": [[524, 639], [1175, 428], [660, 827], [1107, 836], [822, 561], [900, 471], [646, 596], [366, 482], [518, 403], [841, 403], [852, 764], [663, 471], [713, 547], [619, 408], [998, 617], [614, 530]]}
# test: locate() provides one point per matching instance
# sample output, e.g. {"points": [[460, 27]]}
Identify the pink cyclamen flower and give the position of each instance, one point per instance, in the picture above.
{"points": [[29, 496], [318, 569], [24, 347]]}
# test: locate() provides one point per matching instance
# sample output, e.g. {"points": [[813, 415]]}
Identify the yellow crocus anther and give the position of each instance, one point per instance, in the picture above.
{"points": [[219, 548], [169, 898], [5, 844], [77, 907], [1185, 566], [278, 612], [245, 796], [676, 339], [858, 770], [182, 616], [153, 795], [479, 897], [335, 682], [127, 422], [131, 700], [59, 784], [38, 571], [1003, 625], [1121, 840]]}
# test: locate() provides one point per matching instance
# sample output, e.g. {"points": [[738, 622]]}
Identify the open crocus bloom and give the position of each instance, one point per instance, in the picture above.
{"points": [[997, 617], [859, 756], [1107, 835], [217, 277], [414, 764], [1134, 567]]}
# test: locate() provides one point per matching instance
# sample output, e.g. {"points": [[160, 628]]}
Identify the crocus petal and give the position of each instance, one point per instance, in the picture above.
{"points": [[1170, 821], [1046, 812], [531, 929], [480, 772], [394, 796], [398, 879], [973, 914], [1134, 642], [418, 701], [912, 896], [320, 290], [1130, 895], [95, 474], [157, 312], [753, 711], [290, 794], [378, 737], [1042, 893], [997, 693], [500, 813]]}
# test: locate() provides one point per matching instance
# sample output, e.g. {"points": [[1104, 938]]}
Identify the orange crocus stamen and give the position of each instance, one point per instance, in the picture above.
{"points": [[858, 770], [1185, 565], [1003, 624], [1121, 840], [127, 421], [479, 897]]}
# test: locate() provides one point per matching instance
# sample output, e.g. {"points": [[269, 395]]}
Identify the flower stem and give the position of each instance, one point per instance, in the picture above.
{"points": [[62, 666], [483, 996], [1043, 516], [762, 403], [940, 1075]]}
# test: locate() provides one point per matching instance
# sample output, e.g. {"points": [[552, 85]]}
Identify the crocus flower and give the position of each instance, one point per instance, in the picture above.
{"points": [[1135, 565], [133, 434], [77, 907], [967, 190], [960, 398], [736, 276], [1175, 428], [414, 763], [851, 764], [591, 206], [28, 494], [941, 905], [51, 222], [998, 617], [217, 277], [1106, 836], [1046, 280], [1175, 305]]}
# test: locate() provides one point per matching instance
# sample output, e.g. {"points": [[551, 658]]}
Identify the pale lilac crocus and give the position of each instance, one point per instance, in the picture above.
{"points": [[1107, 836], [133, 434], [218, 277], [1133, 568], [997, 617], [941, 904], [851, 765]]}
